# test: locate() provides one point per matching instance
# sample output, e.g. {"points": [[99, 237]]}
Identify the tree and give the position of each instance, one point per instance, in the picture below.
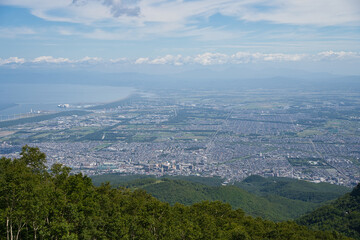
{"points": [[35, 204]]}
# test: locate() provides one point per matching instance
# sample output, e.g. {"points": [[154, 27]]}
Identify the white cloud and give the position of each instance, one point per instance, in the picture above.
{"points": [[186, 18], [119, 60], [50, 59], [60, 60], [220, 58], [142, 60], [211, 58], [205, 59], [78, 11], [168, 59], [12, 60], [137, 20], [331, 55], [90, 60], [119, 8], [179, 11], [319, 12], [245, 57]]}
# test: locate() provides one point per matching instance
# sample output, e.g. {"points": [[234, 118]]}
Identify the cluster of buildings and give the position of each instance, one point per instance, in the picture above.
{"points": [[221, 136]]}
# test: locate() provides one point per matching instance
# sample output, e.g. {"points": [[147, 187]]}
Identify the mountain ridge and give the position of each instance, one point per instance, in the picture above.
{"points": [[189, 190], [342, 215]]}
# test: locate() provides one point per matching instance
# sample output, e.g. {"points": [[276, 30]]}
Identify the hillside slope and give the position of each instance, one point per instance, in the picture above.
{"points": [[293, 188], [342, 215], [41, 203], [184, 192], [286, 203]]}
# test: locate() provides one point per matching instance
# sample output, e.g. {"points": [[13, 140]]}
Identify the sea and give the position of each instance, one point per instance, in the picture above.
{"points": [[37, 98]]}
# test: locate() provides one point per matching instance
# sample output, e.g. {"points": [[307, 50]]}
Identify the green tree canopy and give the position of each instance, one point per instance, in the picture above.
{"points": [[37, 203]]}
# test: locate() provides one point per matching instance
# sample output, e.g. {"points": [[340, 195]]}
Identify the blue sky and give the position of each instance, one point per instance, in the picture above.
{"points": [[179, 32]]}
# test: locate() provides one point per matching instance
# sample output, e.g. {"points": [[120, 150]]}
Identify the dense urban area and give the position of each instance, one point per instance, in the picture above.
{"points": [[308, 135]]}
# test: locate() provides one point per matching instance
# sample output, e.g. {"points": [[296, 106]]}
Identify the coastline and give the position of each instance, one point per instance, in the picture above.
{"points": [[115, 104], [45, 98]]}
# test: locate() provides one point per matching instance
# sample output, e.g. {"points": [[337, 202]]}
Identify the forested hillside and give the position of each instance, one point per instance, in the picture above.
{"points": [[275, 199], [293, 188], [39, 204], [187, 193], [343, 215]]}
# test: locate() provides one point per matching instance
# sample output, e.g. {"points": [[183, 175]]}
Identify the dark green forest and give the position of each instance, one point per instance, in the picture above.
{"points": [[41, 203], [292, 188], [342, 215], [276, 199]]}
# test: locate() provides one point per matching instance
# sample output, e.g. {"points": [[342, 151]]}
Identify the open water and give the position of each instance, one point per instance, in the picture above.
{"points": [[47, 97]]}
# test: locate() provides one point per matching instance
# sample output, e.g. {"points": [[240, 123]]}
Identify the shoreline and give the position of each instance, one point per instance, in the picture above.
{"points": [[21, 108]]}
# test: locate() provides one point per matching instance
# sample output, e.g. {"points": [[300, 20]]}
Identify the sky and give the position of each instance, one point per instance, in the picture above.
{"points": [[180, 33]]}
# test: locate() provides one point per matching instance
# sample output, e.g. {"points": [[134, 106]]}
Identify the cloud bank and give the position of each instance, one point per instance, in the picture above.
{"points": [[204, 59]]}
